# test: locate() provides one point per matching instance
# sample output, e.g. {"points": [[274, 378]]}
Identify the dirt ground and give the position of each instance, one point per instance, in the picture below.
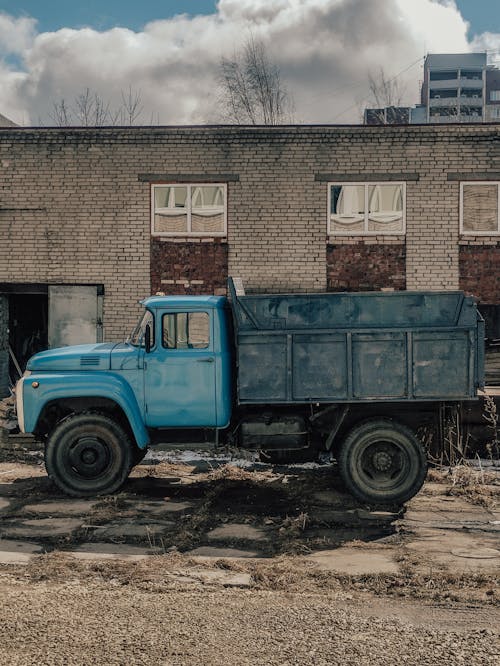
{"points": [[198, 561]]}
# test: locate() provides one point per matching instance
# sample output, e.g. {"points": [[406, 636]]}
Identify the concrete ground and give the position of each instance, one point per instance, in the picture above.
{"points": [[293, 551], [206, 508]]}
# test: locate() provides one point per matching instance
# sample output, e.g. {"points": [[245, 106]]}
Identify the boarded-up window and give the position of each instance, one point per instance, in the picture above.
{"points": [[367, 208], [479, 208], [170, 209], [189, 210]]}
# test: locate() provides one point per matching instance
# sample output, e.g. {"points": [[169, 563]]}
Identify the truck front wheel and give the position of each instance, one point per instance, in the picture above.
{"points": [[88, 454], [382, 462]]}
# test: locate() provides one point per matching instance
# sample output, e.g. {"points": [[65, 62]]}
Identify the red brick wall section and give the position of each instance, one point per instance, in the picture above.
{"points": [[363, 267], [479, 274], [188, 268]]}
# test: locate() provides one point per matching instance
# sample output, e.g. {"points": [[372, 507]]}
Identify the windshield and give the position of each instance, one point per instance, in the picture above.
{"points": [[137, 336]]}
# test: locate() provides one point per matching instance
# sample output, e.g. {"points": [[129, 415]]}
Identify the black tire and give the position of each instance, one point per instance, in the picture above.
{"points": [[88, 454], [382, 462], [138, 455]]}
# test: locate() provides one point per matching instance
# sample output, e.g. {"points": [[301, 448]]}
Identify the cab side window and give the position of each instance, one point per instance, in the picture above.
{"points": [[186, 330]]}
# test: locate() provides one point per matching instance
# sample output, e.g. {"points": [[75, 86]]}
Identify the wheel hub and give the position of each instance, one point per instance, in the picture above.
{"points": [[89, 456], [382, 461]]}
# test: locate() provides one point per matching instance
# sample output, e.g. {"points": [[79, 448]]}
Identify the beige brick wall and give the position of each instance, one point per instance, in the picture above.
{"points": [[279, 209], [74, 210]]}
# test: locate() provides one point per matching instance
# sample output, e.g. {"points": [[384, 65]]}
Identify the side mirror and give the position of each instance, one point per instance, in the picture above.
{"points": [[147, 339]]}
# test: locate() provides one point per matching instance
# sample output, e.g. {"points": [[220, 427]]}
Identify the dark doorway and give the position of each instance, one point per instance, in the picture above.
{"points": [[491, 316], [28, 326]]}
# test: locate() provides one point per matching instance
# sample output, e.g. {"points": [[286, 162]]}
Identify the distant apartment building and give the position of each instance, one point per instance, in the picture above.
{"points": [[493, 94], [457, 88], [390, 115], [454, 88]]}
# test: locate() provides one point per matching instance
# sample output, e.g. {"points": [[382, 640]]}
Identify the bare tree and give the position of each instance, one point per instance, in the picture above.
{"points": [[131, 106], [89, 109], [61, 113], [385, 93], [251, 88]]}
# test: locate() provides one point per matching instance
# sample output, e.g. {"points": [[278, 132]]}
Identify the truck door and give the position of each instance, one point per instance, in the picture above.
{"points": [[180, 372]]}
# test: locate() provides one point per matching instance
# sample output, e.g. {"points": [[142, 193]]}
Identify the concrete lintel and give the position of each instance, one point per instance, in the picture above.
{"points": [[365, 177], [188, 177], [474, 175]]}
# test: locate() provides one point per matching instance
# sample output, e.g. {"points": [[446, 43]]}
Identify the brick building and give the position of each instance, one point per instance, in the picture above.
{"points": [[93, 219]]}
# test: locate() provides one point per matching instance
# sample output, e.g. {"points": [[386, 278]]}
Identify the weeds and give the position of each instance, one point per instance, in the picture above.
{"points": [[455, 446], [476, 485], [290, 574], [490, 415]]}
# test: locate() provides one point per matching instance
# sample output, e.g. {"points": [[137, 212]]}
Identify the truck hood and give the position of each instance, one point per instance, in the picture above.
{"points": [[77, 357]]}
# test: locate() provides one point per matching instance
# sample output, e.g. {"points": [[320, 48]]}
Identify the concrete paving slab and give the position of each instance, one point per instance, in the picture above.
{"points": [[339, 535], [336, 516], [66, 507], [240, 531], [455, 508], [9, 489], [44, 528], [446, 521], [459, 551], [4, 504], [142, 531], [112, 551], [161, 507], [434, 488], [376, 516], [18, 552], [328, 497], [355, 561], [224, 553]]}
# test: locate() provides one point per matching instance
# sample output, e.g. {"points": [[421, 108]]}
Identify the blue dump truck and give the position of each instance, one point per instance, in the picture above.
{"points": [[352, 375]]}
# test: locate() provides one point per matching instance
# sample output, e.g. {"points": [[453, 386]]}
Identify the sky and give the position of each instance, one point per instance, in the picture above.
{"points": [[168, 53]]}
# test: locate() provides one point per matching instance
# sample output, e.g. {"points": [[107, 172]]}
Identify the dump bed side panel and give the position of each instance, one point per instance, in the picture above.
{"points": [[357, 347]]}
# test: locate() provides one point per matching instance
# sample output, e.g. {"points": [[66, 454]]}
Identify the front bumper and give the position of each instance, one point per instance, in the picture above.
{"points": [[20, 401]]}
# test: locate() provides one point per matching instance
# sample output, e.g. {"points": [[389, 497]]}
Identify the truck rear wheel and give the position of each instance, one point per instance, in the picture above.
{"points": [[88, 454], [382, 462]]}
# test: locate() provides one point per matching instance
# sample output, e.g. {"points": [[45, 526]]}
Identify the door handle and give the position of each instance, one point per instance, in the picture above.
{"points": [[207, 359]]}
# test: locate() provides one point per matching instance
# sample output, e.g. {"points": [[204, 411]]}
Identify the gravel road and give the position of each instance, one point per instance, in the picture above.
{"points": [[102, 623]]}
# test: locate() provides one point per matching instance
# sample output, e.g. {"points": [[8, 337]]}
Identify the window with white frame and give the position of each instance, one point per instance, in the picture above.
{"points": [[495, 95], [189, 210], [366, 208], [479, 208]]}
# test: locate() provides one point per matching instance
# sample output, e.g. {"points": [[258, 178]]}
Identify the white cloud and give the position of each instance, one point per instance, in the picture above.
{"points": [[325, 49], [16, 34]]}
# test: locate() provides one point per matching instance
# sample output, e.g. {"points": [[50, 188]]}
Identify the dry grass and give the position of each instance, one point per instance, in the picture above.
{"points": [[475, 484], [289, 574], [230, 472]]}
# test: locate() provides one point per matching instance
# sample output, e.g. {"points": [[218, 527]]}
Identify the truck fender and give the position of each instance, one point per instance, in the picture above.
{"points": [[54, 387]]}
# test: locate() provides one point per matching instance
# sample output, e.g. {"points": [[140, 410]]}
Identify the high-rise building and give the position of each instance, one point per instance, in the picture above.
{"points": [[457, 88], [454, 87]]}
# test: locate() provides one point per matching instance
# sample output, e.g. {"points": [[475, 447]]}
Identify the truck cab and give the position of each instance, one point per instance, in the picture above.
{"points": [[185, 357], [98, 406]]}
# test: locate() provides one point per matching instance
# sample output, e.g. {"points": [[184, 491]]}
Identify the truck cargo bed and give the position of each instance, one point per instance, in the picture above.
{"points": [[354, 347]]}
